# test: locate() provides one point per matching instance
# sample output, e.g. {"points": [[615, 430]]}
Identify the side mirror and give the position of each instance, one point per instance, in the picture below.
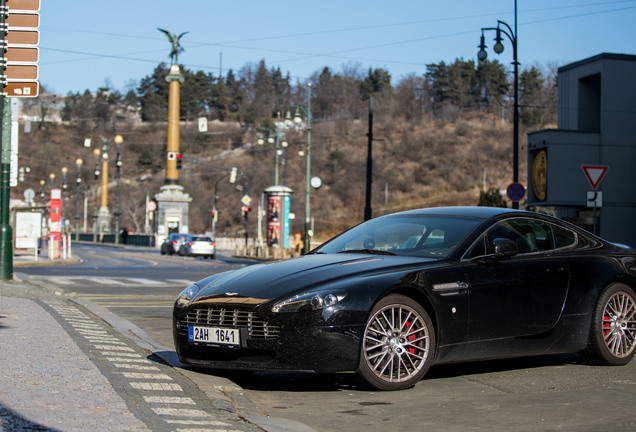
{"points": [[505, 247]]}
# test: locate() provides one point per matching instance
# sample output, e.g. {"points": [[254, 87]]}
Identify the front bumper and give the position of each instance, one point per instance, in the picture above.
{"points": [[289, 347]]}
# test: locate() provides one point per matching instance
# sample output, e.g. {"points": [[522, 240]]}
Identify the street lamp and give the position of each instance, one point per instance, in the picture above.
{"points": [[96, 152], [276, 139], [78, 182], [118, 164], [498, 48], [297, 120]]}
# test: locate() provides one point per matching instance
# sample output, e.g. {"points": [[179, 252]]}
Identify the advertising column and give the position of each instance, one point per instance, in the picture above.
{"points": [[278, 207], [55, 226]]}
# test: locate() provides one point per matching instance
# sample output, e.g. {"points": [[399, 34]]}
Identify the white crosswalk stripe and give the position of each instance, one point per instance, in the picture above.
{"points": [[113, 281]]}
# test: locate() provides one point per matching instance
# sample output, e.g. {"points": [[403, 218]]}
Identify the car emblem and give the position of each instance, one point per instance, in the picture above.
{"points": [[229, 294]]}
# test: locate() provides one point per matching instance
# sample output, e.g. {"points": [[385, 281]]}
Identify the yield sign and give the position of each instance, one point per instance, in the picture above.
{"points": [[595, 174]]}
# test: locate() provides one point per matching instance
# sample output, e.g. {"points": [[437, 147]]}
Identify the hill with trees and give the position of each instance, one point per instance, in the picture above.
{"points": [[441, 138]]}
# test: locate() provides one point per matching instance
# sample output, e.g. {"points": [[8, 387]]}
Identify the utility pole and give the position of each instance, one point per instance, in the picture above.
{"points": [[367, 206]]}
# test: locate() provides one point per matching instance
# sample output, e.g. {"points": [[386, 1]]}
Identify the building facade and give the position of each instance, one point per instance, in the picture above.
{"points": [[585, 171]]}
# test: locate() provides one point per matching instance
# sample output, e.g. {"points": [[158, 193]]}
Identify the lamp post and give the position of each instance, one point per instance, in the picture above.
{"points": [[118, 164], [96, 152], [78, 182], [297, 120], [498, 48], [277, 141]]}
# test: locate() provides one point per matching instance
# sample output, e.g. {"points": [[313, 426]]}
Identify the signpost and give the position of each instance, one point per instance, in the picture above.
{"points": [[19, 23], [594, 175]]}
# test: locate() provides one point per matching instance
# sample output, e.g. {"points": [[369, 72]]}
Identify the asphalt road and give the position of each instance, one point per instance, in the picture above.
{"points": [[548, 393]]}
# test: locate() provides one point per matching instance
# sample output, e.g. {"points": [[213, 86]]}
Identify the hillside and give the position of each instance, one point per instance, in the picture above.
{"points": [[416, 164]]}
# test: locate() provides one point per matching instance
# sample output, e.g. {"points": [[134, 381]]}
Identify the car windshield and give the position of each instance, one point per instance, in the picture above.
{"points": [[202, 239], [433, 236]]}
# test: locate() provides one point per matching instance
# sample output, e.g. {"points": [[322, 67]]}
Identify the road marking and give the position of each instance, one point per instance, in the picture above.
{"points": [[170, 400], [155, 386], [145, 281]]}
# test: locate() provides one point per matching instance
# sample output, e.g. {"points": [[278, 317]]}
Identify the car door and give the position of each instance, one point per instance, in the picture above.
{"points": [[520, 295]]}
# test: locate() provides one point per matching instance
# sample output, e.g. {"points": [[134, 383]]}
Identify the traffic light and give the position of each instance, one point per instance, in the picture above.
{"points": [[246, 211], [178, 161]]}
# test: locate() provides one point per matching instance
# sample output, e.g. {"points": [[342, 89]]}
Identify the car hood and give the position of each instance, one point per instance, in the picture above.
{"points": [[263, 282]]}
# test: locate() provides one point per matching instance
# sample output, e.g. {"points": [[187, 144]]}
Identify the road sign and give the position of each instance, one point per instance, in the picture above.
{"points": [[246, 200], [24, 5], [24, 20], [595, 174], [594, 199], [20, 72], [24, 89], [21, 55], [516, 191]]}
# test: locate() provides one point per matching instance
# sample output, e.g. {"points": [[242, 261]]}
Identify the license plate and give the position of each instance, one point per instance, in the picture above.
{"points": [[215, 335]]}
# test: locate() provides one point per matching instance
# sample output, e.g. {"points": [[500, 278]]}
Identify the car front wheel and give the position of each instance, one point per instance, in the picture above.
{"points": [[612, 339], [398, 344]]}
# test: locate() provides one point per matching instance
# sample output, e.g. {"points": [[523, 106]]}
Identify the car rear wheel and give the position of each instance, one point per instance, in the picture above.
{"points": [[612, 338], [398, 344]]}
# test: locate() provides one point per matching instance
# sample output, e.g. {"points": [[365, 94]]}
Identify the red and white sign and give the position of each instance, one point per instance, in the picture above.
{"points": [[595, 174]]}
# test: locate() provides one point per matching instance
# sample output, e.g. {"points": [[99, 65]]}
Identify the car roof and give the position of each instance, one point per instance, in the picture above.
{"points": [[465, 211]]}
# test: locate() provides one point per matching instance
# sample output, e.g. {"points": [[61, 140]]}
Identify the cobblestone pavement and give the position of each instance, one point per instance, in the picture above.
{"points": [[64, 368]]}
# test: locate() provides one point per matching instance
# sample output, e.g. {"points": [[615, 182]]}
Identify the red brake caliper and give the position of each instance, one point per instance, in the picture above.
{"points": [[411, 337], [606, 325]]}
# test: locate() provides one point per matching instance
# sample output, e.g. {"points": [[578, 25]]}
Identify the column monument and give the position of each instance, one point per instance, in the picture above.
{"points": [[172, 202]]}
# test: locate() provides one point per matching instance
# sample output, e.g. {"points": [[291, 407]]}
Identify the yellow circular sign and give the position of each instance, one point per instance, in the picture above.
{"points": [[540, 175]]}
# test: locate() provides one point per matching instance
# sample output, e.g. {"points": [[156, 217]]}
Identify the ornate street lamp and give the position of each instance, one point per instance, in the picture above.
{"points": [[498, 48]]}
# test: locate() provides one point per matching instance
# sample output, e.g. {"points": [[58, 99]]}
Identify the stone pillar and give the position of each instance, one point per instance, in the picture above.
{"points": [[175, 79]]}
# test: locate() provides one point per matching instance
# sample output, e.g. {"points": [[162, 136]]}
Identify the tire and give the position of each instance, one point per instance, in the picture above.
{"points": [[163, 249], [398, 344], [612, 340], [213, 256], [183, 251]]}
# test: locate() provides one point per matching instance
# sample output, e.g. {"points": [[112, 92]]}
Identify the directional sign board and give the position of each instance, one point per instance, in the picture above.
{"points": [[595, 174], [20, 59]]}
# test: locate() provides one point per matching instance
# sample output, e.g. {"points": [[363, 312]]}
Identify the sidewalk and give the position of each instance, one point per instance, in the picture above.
{"points": [[54, 376], [27, 258]]}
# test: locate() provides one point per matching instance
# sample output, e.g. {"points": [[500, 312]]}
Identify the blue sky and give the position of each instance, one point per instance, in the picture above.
{"points": [[87, 44]]}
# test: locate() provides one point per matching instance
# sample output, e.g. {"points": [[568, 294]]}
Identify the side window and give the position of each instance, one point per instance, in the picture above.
{"points": [[563, 237], [530, 235]]}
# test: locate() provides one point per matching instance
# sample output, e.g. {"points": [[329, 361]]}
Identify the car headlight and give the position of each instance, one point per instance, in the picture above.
{"points": [[187, 295], [313, 300]]}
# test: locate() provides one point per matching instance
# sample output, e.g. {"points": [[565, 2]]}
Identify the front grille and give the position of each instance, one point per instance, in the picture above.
{"points": [[256, 327]]}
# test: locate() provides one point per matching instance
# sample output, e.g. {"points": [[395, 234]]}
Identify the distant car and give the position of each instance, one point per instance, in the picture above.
{"points": [[172, 244], [479, 283], [198, 245]]}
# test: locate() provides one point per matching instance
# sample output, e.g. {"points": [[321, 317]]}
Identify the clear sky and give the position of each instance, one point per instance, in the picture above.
{"points": [[88, 44]]}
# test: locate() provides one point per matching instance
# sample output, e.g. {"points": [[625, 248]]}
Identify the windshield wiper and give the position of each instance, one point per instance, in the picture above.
{"points": [[368, 251]]}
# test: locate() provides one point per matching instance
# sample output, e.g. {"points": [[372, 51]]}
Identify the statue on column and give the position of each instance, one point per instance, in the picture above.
{"points": [[175, 40]]}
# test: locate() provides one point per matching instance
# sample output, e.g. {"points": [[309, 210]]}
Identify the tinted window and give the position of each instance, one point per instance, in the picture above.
{"points": [[530, 236]]}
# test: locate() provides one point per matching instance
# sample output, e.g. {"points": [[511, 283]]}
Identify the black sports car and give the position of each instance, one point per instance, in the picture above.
{"points": [[396, 294]]}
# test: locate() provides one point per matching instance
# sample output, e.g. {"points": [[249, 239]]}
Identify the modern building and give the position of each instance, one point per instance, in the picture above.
{"points": [[585, 171]]}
